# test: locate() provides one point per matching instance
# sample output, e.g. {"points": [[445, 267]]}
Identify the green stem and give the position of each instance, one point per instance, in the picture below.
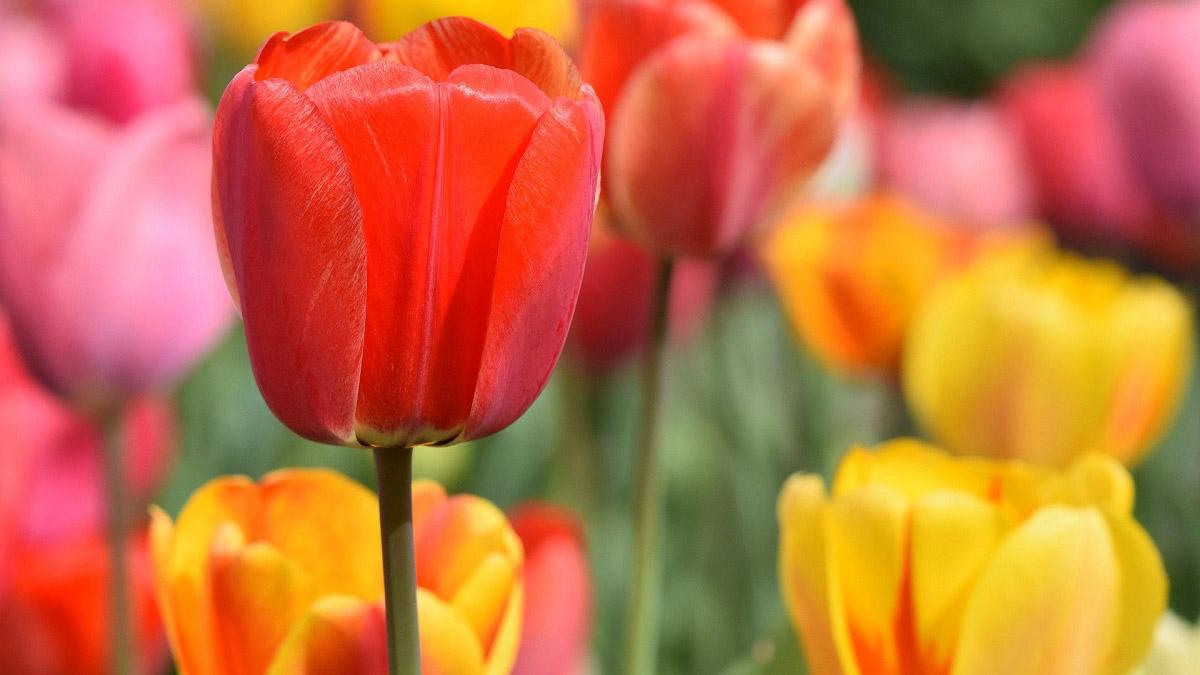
{"points": [[641, 643], [393, 471], [120, 633]]}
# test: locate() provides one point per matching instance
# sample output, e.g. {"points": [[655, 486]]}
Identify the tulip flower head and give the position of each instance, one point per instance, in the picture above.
{"points": [[918, 563], [267, 578], [851, 276], [1043, 356], [404, 225], [713, 124]]}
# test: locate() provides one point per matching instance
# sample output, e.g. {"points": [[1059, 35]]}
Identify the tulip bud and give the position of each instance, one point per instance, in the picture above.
{"points": [[267, 578], [404, 225], [850, 277], [1042, 356], [922, 563]]}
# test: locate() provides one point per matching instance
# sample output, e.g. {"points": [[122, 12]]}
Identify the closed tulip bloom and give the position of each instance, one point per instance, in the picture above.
{"points": [[713, 127], [124, 295], [405, 225], [1042, 356], [934, 151], [851, 276], [917, 563], [1148, 69], [558, 592], [267, 578]]}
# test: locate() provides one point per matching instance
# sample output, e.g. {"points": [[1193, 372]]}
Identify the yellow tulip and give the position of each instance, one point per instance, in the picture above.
{"points": [[1040, 355], [246, 24], [389, 19], [285, 577], [920, 563], [851, 276]]}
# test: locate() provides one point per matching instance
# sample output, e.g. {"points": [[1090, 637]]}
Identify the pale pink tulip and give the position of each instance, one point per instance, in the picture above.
{"points": [[33, 62]]}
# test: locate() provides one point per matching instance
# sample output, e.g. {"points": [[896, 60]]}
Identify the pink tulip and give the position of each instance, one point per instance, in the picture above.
{"points": [[33, 62], [127, 56], [1085, 186], [558, 592], [1148, 68], [959, 160], [108, 268]]}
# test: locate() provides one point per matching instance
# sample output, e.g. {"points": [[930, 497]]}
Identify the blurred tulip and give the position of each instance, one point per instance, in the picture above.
{"points": [[107, 266], [1042, 356], [710, 130], [558, 592], [368, 319], [33, 64], [1084, 184], [935, 152], [1176, 648], [612, 318], [247, 584], [244, 26], [120, 77], [922, 563], [1148, 69], [388, 19], [851, 276]]}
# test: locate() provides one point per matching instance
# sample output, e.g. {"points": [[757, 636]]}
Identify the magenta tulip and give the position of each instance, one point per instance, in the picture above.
{"points": [[108, 268]]}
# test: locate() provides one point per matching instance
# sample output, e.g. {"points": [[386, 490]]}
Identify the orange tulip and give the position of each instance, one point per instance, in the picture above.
{"points": [[850, 277], [268, 578]]}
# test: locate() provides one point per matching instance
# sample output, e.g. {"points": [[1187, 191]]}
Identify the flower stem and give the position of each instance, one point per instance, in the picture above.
{"points": [[393, 471], [641, 640], [120, 633]]}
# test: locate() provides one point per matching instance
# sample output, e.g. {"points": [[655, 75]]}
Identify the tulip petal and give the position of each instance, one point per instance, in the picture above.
{"points": [[456, 538], [1142, 597], [289, 223], [483, 598], [297, 519], [258, 595], [431, 163], [555, 627], [539, 263], [824, 32], [766, 119], [803, 577], [314, 53], [338, 635], [1046, 602], [448, 645]]}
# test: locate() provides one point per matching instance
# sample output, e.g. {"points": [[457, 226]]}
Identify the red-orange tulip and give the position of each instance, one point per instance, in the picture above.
{"points": [[711, 125], [404, 225]]}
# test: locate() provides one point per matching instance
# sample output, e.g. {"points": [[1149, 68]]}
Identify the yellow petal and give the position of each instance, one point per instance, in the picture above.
{"points": [[338, 635], [802, 573], [484, 597], [329, 525], [258, 595], [503, 651], [1142, 597], [866, 532], [954, 536], [911, 467], [1047, 603], [448, 644], [456, 538], [1095, 480]]}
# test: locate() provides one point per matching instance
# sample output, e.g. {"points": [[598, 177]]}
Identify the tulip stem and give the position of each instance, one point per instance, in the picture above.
{"points": [[641, 640], [120, 633], [393, 471]]}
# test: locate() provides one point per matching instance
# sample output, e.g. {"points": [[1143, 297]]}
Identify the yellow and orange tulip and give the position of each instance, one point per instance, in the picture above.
{"points": [[1040, 355], [920, 563], [285, 577], [850, 276]]}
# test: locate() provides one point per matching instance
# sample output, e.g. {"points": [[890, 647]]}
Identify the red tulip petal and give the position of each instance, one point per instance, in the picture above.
{"points": [[762, 18], [539, 264], [620, 34], [439, 47], [708, 138], [292, 227], [432, 163], [314, 53]]}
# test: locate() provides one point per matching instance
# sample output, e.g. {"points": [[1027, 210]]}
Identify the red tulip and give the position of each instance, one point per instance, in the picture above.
{"points": [[558, 592], [107, 266], [936, 151], [711, 130], [404, 225], [1148, 69], [1083, 180], [127, 56]]}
